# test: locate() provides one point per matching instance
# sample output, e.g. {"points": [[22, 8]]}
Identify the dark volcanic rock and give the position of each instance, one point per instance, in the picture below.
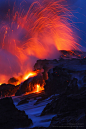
{"points": [[73, 53], [8, 90], [69, 109], [75, 121], [11, 117], [29, 84], [58, 80], [24, 87], [45, 63], [72, 88], [13, 81], [22, 102], [84, 79]]}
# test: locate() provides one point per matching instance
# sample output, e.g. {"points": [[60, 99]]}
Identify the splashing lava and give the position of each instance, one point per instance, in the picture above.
{"points": [[29, 34]]}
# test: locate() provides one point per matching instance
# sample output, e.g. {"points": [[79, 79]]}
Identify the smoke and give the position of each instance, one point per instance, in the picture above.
{"points": [[9, 65], [32, 31]]}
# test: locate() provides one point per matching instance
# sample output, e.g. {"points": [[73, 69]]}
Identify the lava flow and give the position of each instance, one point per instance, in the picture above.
{"points": [[31, 74], [39, 88], [18, 80], [31, 33]]}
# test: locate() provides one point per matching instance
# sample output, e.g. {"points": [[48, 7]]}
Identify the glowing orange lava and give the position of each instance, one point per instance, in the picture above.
{"points": [[39, 88], [31, 74], [38, 32], [25, 77]]}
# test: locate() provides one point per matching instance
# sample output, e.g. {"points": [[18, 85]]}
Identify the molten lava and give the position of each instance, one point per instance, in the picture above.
{"points": [[39, 88], [31, 74], [29, 34]]}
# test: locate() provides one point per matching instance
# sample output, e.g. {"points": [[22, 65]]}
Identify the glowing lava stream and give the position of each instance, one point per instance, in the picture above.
{"points": [[31, 74], [38, 32], [39, 88], [26, 76]]}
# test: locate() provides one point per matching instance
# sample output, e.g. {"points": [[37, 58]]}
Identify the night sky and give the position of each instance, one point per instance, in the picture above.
{"points": [[80, 20]]}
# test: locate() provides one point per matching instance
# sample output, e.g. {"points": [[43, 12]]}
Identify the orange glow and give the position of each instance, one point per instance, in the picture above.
{"points": [[24, 77], [38, 32], [39, 88], [31, 74], [3, 79]]}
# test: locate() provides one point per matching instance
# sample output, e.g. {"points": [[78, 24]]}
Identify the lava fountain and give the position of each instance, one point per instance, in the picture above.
{"points": [[38, 32]]}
